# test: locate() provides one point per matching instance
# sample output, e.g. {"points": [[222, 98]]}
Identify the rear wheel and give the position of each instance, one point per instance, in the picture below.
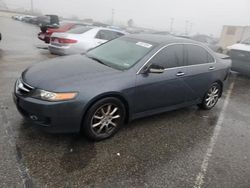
{"points": [[211, 97], [104, 118]]}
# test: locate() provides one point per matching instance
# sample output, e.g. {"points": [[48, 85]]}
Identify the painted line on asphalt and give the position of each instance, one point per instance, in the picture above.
{"points": [[200, 177], [23, 170]]}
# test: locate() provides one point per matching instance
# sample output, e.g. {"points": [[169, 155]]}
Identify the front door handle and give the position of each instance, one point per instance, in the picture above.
{"points": [[180, 74], [211, 68]]}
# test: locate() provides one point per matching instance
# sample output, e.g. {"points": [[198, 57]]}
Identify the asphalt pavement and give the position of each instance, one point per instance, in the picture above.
{"points": [[183, 148]]}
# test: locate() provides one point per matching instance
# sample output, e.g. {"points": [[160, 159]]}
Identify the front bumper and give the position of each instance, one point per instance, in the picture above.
{"points": [[54, 117]]}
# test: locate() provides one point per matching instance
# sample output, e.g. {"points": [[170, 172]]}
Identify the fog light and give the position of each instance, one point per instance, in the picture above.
{"points": [[33, 117]]}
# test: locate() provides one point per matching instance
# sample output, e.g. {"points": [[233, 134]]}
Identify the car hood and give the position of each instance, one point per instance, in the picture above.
{"points": [[67, 73]]}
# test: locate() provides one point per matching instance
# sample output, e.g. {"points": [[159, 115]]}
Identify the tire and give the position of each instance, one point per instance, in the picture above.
{"points": [[104, 118], [211, 97]]}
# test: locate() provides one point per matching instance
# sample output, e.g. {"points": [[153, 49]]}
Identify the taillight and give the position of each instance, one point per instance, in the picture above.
{"points": [[67, 41], [63, 40]]}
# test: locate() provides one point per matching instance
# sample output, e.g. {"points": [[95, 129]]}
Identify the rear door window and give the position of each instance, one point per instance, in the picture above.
{"points": [[79, 30], [170, 57], [197, 55]]}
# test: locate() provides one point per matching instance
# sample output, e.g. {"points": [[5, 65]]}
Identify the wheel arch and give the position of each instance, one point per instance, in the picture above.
{"points": [[221, 84], [106, 95]]}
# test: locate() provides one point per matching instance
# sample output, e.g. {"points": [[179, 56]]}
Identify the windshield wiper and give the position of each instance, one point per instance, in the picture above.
{"points": [[96, 59]]}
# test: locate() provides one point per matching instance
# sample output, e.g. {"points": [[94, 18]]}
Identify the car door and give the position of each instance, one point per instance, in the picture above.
{"points": [[154, 91], [200, 70]]}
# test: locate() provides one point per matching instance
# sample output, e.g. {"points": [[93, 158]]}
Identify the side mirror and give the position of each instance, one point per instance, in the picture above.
{"points": [[156, 69]]}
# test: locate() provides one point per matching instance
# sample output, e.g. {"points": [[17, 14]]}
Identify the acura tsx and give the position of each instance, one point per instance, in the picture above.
{"points": [[127, 78]]}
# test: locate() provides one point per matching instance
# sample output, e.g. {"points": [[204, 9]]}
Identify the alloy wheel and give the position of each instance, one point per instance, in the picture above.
{"points": [[105, 119], [212, 96]]}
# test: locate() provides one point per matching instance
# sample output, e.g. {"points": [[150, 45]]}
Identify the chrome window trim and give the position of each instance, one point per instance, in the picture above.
{"points": [[172, 44]]}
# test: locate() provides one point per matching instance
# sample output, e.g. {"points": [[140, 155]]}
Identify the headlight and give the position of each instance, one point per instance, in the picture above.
{"points": [[51, 96]]}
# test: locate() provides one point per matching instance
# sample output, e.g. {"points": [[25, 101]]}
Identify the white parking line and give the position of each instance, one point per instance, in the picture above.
{"points": [[200, 177], [23, 170]]}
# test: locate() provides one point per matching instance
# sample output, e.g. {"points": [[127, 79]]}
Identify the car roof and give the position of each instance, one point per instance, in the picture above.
{"points": [[109, 29], [161, 39]]}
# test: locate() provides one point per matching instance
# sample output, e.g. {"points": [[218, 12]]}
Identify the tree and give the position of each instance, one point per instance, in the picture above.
{"points": [[130, 22]]}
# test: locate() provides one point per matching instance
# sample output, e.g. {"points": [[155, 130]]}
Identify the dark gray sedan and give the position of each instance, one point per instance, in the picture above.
{"points": [[127, 78]]}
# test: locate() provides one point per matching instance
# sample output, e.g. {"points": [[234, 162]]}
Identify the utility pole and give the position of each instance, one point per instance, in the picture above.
{"points": [[171, 25], [186, 27], [113, 15], [191, 27], [31, 6]]}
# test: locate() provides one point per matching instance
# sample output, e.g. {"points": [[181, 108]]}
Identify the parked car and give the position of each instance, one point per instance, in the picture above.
{"points": [[161, 33], [29, 19], [33, 20], [81, 39], [64, 27], [15, 17], [48, 21], [21, 17], [209, 41], [124, 79], [240, 55]]}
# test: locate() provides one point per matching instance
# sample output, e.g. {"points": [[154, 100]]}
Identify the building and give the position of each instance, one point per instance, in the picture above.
{"points": [[3, 6], [233, 34]]}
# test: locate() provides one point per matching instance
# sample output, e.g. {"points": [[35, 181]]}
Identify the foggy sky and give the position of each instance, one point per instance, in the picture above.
{"points": [[206, 16]]}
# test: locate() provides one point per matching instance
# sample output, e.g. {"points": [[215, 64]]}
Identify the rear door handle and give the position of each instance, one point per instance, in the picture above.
{"points": [[180, 74], [211, 68]]}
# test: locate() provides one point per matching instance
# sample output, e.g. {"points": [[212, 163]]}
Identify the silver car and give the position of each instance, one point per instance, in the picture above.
{"points": [[81, 39], [240, 55]]}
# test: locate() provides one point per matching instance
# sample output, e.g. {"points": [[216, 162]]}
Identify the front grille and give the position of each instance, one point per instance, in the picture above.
{"points": [[22, 88]]}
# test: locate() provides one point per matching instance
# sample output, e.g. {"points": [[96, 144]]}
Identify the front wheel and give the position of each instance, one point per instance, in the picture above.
{"points": [[104, 118], [211, 97]]}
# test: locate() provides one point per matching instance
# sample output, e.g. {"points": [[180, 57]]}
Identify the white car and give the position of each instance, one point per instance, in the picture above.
{"points": [[81, 39], [240, 55]]}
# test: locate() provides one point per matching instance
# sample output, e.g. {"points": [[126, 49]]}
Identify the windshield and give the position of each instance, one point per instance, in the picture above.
{"points": [[79, 30], [121, 53], [247, 41]]}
